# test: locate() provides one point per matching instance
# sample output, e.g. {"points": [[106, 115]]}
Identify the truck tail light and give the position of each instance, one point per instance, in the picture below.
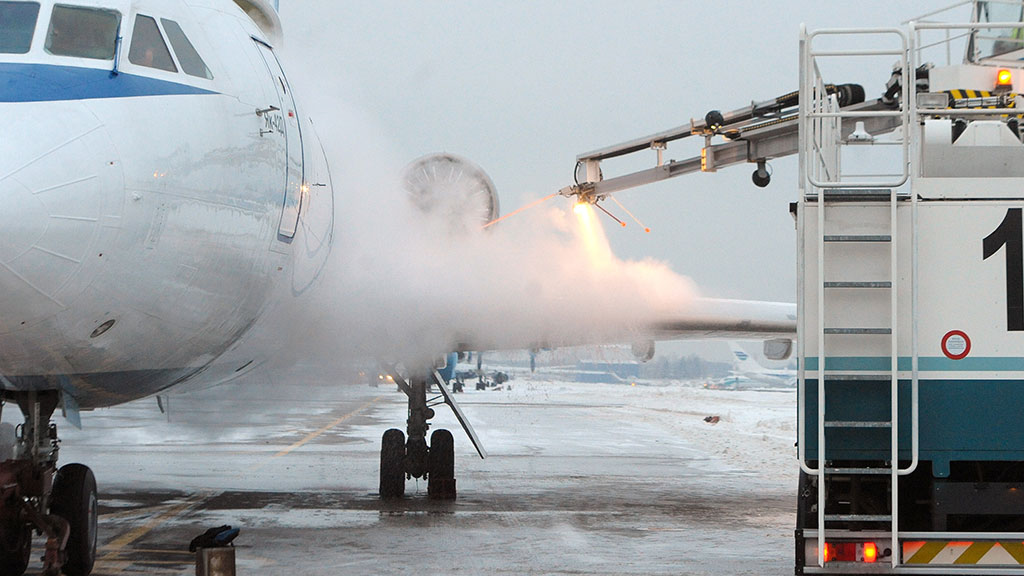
{"points": [[870, 552], [866, 552]]}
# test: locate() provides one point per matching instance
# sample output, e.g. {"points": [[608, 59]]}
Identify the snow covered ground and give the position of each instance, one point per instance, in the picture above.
{"points": [[581, 479]]}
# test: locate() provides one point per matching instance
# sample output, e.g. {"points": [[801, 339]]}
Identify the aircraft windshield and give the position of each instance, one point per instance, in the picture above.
{"points": [[990, 42], [190, 60], [17, 23], [148, 48], [83, 32]]}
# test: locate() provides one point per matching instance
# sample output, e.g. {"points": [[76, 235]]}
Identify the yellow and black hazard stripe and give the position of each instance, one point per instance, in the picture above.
{"points": [[969, 94], [945, 553], [979, 99]]}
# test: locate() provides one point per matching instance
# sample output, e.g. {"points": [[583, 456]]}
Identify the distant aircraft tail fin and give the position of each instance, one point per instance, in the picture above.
{"points": [[750, 367], [745, 362]]}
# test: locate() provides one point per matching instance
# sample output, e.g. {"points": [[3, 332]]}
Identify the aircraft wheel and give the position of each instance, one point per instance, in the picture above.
{"points": [[74, 499], [441, 466], [15, 548], [392, 464]]}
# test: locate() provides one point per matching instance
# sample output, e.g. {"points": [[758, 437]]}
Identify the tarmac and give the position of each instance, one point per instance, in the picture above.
{"points": [[581, 479]]}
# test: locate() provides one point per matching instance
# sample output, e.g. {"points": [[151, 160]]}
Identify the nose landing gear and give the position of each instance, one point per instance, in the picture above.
{"points": [[413, 457], [35, 495]]}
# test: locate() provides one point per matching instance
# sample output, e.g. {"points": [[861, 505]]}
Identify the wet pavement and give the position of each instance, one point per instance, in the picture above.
{"points": [[582, 479]]}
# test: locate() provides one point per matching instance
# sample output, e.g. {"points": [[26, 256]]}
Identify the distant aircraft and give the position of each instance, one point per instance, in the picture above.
{"points": [[748, 373], [161, 196]]}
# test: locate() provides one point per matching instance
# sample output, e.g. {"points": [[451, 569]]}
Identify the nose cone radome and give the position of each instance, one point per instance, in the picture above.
{"points": [[61, 186]]}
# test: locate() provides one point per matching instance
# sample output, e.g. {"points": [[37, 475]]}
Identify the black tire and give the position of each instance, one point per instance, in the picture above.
{"points": [[441, 466], [392, 464], [849, 94], [15, 549], [74, 499]]}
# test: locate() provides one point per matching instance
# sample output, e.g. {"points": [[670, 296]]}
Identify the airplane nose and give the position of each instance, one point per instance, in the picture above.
{"points": [[61, 197]]}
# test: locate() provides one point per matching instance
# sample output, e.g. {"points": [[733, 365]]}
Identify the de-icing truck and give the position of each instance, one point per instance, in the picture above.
{"points": [[910, 286]]}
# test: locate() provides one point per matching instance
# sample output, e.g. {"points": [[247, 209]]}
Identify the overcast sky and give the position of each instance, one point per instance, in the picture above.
{"points": [[522, 87]]}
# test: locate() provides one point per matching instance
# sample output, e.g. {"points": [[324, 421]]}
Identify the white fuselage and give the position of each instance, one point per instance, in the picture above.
{"points": [[149, 217]]}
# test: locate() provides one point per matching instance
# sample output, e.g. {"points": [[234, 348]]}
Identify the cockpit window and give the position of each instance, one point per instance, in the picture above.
{"points": [[83, 32], [189, 58], [148, 48], [17, 23], [992, 42]]}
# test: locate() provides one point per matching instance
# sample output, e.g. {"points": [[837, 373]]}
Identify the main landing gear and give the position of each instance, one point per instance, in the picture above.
{"points": [[35, 495], [402, 457]]}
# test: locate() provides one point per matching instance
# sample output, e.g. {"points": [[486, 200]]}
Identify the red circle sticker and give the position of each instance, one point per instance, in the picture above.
{"points": [[956, 345]]}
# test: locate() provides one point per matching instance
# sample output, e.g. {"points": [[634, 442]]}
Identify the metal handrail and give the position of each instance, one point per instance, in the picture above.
{"points": [[904, 112], [939, 11], [857, 114], [801, 329], [967, 25], [915, 436], [971, 111], [947, 40], [857, 53]]}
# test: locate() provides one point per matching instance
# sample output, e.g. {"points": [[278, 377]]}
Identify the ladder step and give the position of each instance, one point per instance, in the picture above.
{"points": [[848, 331], [858, 284], [858, 518], [858, 238], [863, 471], [858, 194], [830, 192], [854, 376], [858, 424]]}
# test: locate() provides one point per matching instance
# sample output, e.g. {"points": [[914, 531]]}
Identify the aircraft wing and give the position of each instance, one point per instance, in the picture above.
{"points": [[739, 319], [700, 319]]}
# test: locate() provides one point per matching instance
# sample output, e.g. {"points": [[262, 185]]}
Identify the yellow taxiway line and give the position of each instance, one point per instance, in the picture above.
{"points": [[116, 546], [316, 434], [111, 561]]}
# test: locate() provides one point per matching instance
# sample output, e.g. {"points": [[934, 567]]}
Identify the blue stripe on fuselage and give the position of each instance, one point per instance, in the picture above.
{"points": [[50, 83]]}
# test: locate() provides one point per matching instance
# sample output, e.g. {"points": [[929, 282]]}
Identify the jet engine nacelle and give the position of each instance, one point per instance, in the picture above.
{"points": [[643, 350], [454, 188], [778, 349]]}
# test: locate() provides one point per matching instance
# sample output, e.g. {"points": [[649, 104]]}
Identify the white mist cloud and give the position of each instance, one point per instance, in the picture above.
{"points": [[403, 283]]}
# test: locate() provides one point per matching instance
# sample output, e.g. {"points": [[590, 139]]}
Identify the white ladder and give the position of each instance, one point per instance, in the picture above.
{"points": [[823, 184]]}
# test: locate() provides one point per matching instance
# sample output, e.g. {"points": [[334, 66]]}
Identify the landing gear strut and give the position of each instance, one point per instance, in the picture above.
{"points": [[412, 457], [35, 495]]}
